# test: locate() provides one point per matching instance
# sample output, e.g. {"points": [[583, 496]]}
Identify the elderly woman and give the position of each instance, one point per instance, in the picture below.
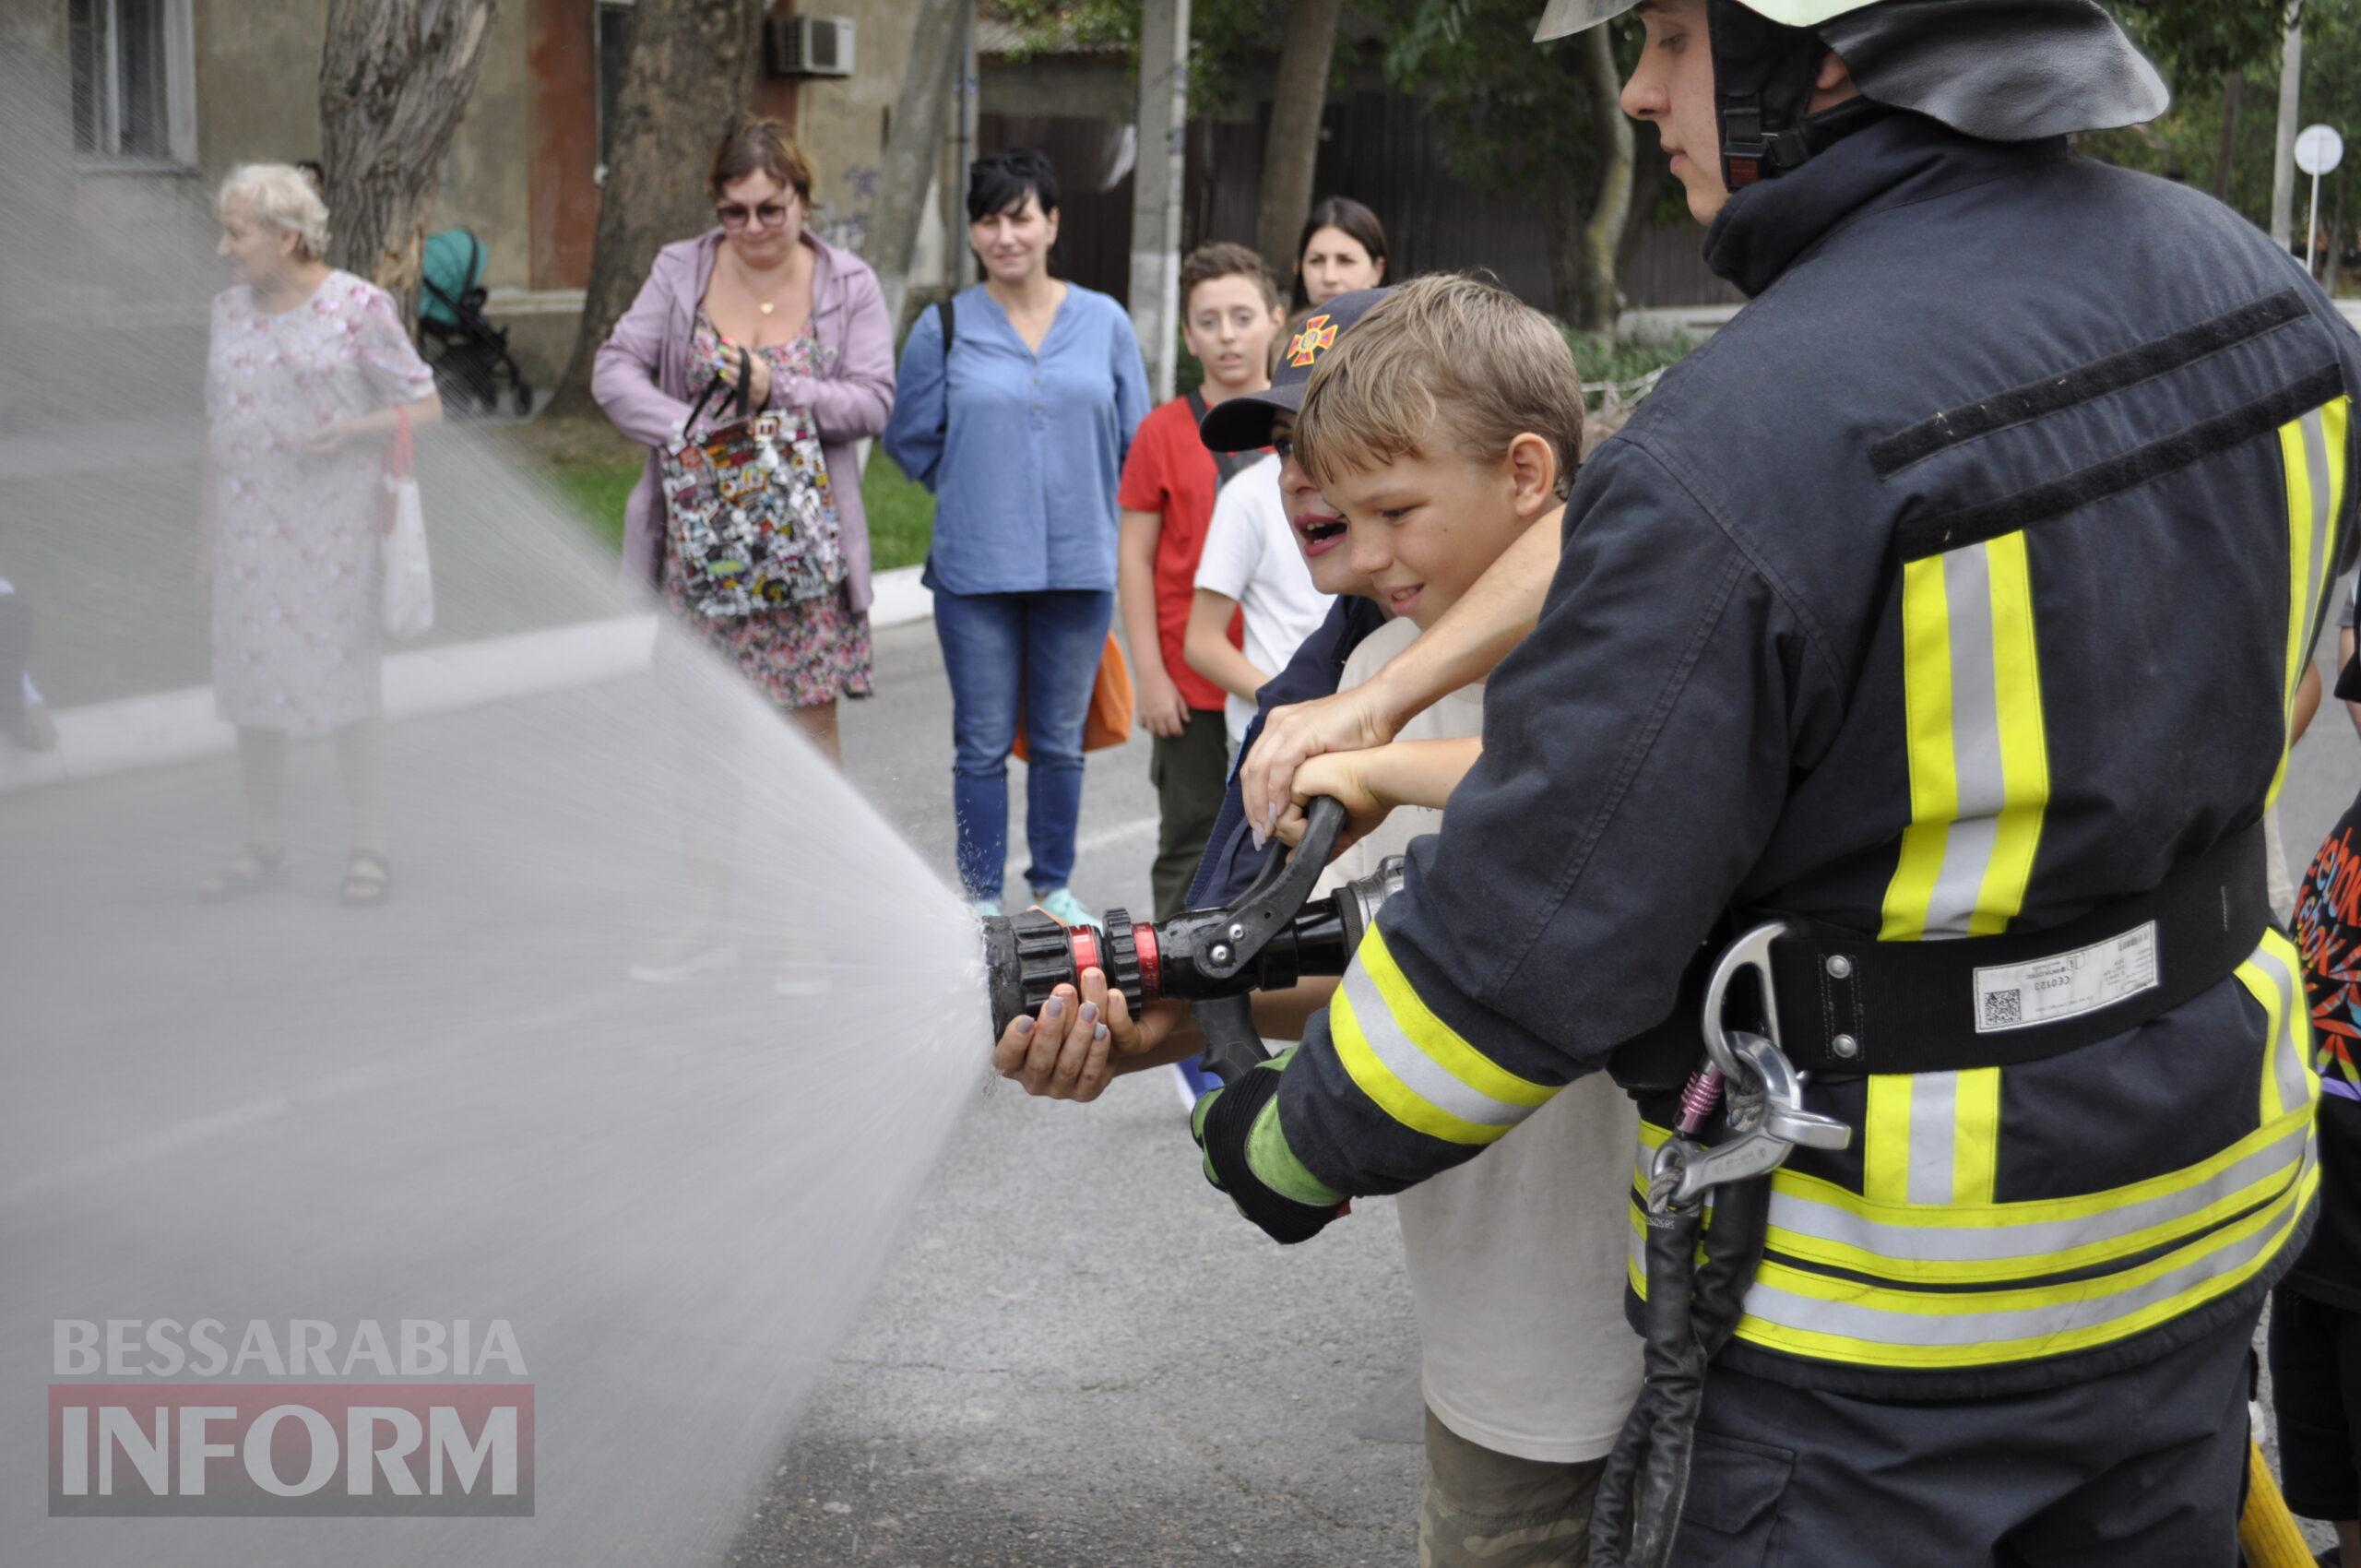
{"points": [[309, 376], [812, 322], [1019, 423]]}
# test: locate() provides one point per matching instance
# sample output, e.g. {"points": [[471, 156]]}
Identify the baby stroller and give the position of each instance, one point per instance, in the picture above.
{"points": [[469, 353]]}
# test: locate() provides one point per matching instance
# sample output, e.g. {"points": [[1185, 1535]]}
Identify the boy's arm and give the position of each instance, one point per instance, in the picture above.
{"points": [[1208, 651], [2307, 704], [1372, 783], [1472, 636], [1161, 710], [1091, 1040]]}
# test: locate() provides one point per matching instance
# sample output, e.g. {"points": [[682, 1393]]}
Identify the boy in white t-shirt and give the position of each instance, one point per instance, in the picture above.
{"points": [[1517, 1259], [1251, 562]]}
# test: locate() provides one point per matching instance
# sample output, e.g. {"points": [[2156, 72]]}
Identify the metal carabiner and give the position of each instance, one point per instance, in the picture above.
{"points": [[1752, 1066]]}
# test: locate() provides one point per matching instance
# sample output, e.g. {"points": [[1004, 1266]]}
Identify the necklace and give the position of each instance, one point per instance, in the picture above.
{"points": [[765, 306]]}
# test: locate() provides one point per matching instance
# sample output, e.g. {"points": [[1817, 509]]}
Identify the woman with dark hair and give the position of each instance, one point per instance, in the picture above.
{"points": [[1017, 406], [1342, 249], [811, 323]]}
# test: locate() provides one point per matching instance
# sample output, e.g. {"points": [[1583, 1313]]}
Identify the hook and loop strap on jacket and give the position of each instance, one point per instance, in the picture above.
{"points": [[1850, 1003]]}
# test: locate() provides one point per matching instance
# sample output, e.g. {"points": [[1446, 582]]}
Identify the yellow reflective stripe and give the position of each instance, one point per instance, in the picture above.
{"points": [[1885, 1140], [2311, 454], [1978, 755], [2024, 747], [1928, 1329], [2273, 977], [1976, 1137], [1931, 1137], [1392, 1095], [1926, 718], [1438, 1041], [1996, 1251]]}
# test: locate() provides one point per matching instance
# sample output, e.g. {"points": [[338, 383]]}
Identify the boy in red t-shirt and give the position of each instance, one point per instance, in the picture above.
{"points": [[1229, 314]]}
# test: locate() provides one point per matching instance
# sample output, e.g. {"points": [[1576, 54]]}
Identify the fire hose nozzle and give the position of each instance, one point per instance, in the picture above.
{"points": [[1271, 936]]}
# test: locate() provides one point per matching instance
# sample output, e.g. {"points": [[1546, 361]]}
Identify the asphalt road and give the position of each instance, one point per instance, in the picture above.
{"points": [[1077, 1355]]}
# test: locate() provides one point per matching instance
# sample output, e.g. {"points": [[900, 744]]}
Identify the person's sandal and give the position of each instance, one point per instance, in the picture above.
{"points": [[252, 870], [368, 880]]}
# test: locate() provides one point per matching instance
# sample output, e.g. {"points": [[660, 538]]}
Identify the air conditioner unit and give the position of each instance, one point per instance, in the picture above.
{"points": [[811, 46]]}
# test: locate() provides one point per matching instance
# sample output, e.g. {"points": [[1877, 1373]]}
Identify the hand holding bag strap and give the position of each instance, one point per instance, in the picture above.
{"points": [[722, 388]]}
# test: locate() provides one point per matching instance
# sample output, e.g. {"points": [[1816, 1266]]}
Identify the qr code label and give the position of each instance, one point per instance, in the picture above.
{"points": [[2066, 985]]}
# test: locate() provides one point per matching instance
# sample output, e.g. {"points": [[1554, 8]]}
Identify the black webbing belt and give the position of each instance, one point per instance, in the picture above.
{"points": [[1850, 1003]]}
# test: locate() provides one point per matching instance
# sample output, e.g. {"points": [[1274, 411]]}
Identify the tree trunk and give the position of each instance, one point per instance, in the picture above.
{"points": [[689, 69], [2282, 163], [1300, 93], [2232, 85], [913, 150], [1602, 236], [395, 76], [1567, 227]]}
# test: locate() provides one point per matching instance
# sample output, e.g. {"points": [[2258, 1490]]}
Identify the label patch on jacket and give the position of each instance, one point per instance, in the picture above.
{"points": [[2018, 996]]}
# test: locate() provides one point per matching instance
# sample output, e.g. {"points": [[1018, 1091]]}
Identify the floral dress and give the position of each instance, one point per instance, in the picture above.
{"points": [[798, 655], [296, 629]]}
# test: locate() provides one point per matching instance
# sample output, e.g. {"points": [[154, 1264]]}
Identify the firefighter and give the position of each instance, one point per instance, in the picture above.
{"points": [[1937, 624]]}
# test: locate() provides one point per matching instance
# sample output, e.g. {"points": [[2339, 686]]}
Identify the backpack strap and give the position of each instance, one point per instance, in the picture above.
{"points": [[1228, 465], [949, 317]]}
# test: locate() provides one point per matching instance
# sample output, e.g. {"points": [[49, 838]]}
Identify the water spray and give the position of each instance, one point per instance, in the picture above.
{"points": [[1271, 935]]}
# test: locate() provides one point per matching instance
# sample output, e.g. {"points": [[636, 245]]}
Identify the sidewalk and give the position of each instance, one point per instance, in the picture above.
{"points": [[158, 729]]}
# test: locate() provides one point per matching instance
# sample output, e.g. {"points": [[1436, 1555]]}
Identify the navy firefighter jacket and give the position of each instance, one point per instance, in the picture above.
{"points": [[1959, 586]]}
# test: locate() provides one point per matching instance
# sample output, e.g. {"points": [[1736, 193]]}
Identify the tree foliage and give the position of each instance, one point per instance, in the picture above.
{"points": [[2185, 143]]}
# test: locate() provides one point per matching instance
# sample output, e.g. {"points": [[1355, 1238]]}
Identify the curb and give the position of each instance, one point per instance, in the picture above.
{"points": [[162, 727]]}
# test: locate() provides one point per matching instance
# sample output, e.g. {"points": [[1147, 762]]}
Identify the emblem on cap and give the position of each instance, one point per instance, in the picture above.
{"points": [[1305, 346]]}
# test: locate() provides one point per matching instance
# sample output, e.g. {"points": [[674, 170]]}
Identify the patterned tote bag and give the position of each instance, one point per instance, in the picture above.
{"points": [[749, 509]]}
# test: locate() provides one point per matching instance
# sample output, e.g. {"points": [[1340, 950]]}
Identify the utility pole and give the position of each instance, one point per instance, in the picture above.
{"points": [[1155, 189], [2283, 161], [971, 93]]}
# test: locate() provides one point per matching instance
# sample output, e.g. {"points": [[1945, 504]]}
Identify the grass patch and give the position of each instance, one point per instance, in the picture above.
{"points": [[901, 514], [592, 469]]}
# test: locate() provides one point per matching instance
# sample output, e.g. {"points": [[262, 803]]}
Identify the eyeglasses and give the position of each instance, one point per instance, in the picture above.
{"points": [[770, 215]]}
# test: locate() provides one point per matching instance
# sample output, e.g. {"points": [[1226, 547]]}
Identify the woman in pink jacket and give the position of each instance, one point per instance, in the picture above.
{"points": [[814, 323]]}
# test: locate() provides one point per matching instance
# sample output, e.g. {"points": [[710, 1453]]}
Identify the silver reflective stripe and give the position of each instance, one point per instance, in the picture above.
{"points": [[1418, 1071], [1851, 1321], [2316, 466], [2286, 1057], [2005, 1243], [1976, 745], [1934, 1122]]}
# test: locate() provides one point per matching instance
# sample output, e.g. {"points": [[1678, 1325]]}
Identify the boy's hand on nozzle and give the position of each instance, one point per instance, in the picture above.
{"points": [[1069, 1052], [1348, 721], [1348, 779]]}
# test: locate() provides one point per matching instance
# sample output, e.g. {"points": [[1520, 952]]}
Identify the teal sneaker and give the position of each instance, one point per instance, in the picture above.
{"points": [[984, 908], [1061, 902]]}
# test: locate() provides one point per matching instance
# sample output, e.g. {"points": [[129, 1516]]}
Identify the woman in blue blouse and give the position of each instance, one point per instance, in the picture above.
{"points": [[1021, 435]]}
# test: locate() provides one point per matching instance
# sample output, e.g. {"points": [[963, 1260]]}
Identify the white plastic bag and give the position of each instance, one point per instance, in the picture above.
{"points": [[409, 579]]}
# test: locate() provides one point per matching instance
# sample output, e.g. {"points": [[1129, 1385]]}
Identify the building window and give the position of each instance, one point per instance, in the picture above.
{"points": [[613, 45], [132, 81]]}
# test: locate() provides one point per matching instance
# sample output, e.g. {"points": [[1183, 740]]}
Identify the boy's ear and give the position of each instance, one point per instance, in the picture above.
{"points": [[1532, 474]]}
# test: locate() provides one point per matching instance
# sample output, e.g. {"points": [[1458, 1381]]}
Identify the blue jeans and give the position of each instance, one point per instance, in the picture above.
{"points": [[1003, 650]]}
